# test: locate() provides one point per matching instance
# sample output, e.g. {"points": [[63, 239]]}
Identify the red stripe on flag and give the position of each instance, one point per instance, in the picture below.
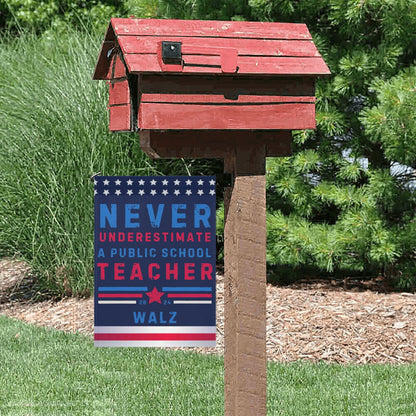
{"points": [[189, 295], [154, 337], [120, 295]]}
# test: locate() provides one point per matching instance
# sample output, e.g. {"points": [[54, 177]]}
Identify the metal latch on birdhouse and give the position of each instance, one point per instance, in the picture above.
{"points": [[173, 60]]}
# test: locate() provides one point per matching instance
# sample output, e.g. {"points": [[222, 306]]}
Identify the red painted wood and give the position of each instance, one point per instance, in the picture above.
{"points": [[246, 65], [220, 99], [228, 56], [120, 118], [251, 47], [119, 93], [209, 28], [269, 82], [196, 116], [118, 68], [288, 44]]}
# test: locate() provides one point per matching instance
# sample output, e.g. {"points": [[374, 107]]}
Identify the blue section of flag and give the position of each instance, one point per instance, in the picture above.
{"points": [[155, 187]]}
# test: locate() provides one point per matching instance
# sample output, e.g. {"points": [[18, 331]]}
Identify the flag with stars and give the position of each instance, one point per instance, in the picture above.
{"points": [[154, 261]]}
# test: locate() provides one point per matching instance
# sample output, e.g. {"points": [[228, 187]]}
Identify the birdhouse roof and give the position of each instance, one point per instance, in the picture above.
{"points": [[211, 47]]}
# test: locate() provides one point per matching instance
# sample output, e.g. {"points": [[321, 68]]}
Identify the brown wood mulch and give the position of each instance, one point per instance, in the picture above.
{"points": [[313, 322]]}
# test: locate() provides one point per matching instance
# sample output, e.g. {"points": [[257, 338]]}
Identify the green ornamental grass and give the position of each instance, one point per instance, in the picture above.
{"points": [[54, 136]]}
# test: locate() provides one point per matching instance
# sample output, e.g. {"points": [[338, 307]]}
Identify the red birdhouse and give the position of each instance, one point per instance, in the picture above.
{"points": [[167, 76]]}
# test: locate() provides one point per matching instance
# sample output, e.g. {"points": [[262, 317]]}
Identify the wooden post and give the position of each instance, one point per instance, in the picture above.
{"points": [[245, 283]]}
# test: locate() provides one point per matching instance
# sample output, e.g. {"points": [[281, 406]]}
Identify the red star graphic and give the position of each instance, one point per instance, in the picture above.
{"points": [[155, 295]]}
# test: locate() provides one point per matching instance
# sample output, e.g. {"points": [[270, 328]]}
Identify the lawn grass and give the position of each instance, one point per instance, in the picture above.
{"points": [[48, 372]]}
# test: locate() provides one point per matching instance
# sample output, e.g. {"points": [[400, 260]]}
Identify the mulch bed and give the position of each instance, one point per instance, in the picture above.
{"points": [[313, 321]]}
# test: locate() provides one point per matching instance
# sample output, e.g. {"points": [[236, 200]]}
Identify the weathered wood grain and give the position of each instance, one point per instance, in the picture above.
{"points": [[118, 69], [245, 47], [285, 116], [245, 285], [221, 99], [210, 28], [211, 143], [260, 65], [120, 118], [119, 93], [262, 48]]}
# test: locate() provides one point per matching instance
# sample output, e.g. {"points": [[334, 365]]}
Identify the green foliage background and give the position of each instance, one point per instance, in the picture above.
{"points": [[343, 203]]}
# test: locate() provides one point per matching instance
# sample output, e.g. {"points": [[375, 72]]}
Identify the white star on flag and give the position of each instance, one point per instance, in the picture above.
{"points": [[129, 192], [141, 182], [188, 182], [152, 182], [200, 182], [118, 192], [106, 192], [141, 192], [165, 182], [118, 182], [212, 182], [176, 181], [188, 192], [153, 192], [95, 182], [212, 192], [165, 192], [200, 191], [129, 182], [106, 182], [176, 192], [95, 192]]}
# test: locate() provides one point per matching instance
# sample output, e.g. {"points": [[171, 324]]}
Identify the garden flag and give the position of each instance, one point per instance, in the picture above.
{"points": [[154, 261]]}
